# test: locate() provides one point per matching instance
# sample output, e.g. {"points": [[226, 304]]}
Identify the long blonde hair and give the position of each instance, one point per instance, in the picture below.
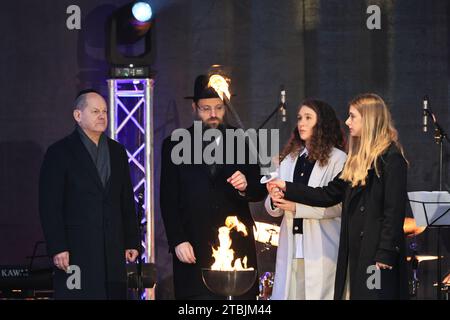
{"points": [[377, 134]]}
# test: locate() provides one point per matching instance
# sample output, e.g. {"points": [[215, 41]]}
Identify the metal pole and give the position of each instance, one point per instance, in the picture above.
{"points": [[149, 177], [439, 263], [112, 108]]}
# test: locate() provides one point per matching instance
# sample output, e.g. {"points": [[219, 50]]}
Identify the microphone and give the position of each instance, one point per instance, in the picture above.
{"points": [[425, 114], [283, 104]]}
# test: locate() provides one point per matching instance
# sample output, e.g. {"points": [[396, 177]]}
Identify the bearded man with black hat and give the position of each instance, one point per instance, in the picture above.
{"points": [[196, 199]]}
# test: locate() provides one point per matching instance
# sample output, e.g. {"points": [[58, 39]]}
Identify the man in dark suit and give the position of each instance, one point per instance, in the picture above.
{"points": [[87, 208], [196, 199]]}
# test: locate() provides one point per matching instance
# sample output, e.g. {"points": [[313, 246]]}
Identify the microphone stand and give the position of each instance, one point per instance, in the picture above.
{"points": [[274, 112], [221, 87], [415, 266], [252, 148], [439, 137]]}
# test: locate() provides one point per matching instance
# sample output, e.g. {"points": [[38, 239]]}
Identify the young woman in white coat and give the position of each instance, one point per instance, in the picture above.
{"points": [[309, 236]]}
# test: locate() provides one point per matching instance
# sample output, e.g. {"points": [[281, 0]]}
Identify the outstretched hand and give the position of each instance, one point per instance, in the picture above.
{"points": [[276, 183], [283, 204], [274, 192]]}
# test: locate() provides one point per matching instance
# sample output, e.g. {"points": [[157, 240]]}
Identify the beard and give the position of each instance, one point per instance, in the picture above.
{"points": [[208, 124], [213, 123]]}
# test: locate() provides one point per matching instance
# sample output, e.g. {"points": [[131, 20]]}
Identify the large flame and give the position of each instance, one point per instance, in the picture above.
{"points": [[233, 222], [220, 84], [224, 255]]}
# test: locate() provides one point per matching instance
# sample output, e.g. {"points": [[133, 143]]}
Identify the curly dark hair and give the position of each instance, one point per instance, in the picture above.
{"points": [[327, 133]]}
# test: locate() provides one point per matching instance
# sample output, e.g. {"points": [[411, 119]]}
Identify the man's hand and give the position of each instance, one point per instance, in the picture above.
{"points": [[185, 252], [380, 265], [238, 181], [131, 255], [61, 260]]}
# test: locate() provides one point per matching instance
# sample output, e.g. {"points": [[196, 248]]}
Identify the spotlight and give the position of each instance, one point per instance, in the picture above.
{"points": [[142, 11], [129, 30]]}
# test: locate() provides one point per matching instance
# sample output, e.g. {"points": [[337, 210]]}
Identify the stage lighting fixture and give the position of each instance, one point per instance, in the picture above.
{"points": [[142, 11], [129, 29]]}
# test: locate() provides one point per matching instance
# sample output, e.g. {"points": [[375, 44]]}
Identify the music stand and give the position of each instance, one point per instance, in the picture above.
{"points": [[432, 209]]}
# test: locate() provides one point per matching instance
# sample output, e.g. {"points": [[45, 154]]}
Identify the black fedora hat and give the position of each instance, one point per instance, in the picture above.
{"points": [[201, 89]]}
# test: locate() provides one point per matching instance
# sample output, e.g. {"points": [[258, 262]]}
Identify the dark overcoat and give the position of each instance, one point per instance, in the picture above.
{"points": [[194, 204], [371, 228], [94, 223]]}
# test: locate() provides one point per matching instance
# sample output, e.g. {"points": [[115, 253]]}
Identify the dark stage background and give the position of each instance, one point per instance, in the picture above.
{"points": [[314, 48]]}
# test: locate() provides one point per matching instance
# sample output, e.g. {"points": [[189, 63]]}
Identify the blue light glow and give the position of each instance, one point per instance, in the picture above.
{"points": [[142, 11]]}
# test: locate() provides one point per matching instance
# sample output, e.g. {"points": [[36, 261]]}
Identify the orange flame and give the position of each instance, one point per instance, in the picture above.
{"points": [[233, 222], [220, 84], [224, 255]]}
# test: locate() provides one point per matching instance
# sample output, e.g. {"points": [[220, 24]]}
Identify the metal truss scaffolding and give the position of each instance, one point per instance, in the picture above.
{"points": [[131, 124]]}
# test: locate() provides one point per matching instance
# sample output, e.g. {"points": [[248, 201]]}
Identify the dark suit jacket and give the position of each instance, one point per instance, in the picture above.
{"points": [[194, 205], [371, 228], [94, 223]]}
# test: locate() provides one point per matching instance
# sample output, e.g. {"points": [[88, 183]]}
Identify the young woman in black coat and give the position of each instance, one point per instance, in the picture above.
{"points": [[372, 188]]}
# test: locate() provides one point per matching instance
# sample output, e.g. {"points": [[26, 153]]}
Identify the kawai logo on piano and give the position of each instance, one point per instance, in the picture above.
{"points": [[14, 272]]}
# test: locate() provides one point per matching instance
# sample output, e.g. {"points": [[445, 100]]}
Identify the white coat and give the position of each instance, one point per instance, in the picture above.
{"points": [[321, 229]]}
